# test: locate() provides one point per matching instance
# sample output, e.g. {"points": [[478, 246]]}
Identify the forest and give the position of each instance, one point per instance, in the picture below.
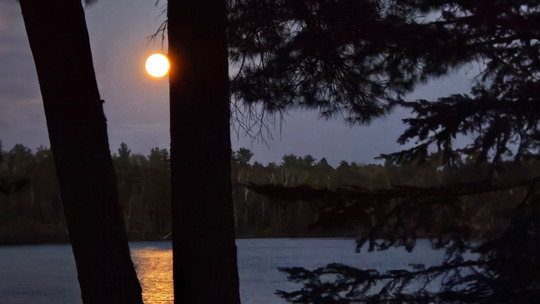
{"points": [[31, 209]]}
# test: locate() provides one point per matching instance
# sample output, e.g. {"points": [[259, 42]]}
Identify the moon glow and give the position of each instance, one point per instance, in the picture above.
{"points": [[157, 65]]}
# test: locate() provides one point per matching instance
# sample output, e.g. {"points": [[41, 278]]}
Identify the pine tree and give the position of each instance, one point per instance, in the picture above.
{"points": [[359, 58], [78, 134]]}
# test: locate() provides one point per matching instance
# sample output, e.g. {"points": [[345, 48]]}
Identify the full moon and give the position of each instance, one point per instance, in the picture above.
{"points": [[157, 65]]}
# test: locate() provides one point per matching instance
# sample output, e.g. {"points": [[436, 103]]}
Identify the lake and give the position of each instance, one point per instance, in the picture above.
{"points": [[44, 274]]}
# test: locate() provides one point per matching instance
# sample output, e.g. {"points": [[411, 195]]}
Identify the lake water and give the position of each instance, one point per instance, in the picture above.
{"points": [[45, 274]]}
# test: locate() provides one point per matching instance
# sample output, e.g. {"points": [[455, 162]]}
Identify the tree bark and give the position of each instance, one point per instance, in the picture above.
{"points": [[204, 250], [78, 134]]}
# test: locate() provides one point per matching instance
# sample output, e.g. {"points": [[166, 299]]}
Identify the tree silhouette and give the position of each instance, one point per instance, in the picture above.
{"points": [[8, 184], [358, 58], [501, 110], [77, 131], [204, 250], [341, 57], [506, 270], [124, 153], [242, 156]]}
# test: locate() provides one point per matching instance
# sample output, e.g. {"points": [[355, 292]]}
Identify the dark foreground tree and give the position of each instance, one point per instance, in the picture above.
{"points": [[204, 250], [78, 134], [351, 57], [343, 58], [504, 269]]}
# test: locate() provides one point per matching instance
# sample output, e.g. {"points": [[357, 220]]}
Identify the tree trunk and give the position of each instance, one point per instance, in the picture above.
{"points": [[78, 134], [204, 250]]}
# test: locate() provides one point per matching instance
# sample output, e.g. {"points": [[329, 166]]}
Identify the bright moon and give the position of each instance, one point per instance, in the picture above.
{"points": [[157, 65]]}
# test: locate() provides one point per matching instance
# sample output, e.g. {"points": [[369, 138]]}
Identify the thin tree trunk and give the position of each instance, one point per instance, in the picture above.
{"points": [[204, 250], [78, 134]]}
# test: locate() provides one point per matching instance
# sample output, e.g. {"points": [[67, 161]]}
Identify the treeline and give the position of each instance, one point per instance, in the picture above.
{"points": [[31, 210], [481, 214]]}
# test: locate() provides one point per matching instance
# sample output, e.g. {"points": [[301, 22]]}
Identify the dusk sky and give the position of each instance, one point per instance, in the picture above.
{"points": [[137, 104]]}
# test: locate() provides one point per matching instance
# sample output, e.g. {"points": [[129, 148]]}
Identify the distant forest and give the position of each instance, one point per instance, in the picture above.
{"points": [[31, 209]]}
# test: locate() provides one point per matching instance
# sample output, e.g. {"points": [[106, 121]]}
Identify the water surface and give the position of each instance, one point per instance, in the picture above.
{"points": [[45, 274]]}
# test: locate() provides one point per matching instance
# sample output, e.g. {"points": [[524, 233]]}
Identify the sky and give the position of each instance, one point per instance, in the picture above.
{"points": [[136, 105]]}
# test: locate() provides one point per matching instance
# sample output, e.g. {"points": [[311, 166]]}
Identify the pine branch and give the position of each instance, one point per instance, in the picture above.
{"points": [[307, 193]]}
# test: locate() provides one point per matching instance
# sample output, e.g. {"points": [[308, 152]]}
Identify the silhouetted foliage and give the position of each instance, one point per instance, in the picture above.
{"points": [[501, 111], [12, 182], [480, 266], [358, 59], [242, 156], [350, 57], [503, 270]]}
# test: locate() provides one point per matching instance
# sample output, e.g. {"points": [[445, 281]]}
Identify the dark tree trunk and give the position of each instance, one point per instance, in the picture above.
{"points": [[204, 249], [78, 134]]}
